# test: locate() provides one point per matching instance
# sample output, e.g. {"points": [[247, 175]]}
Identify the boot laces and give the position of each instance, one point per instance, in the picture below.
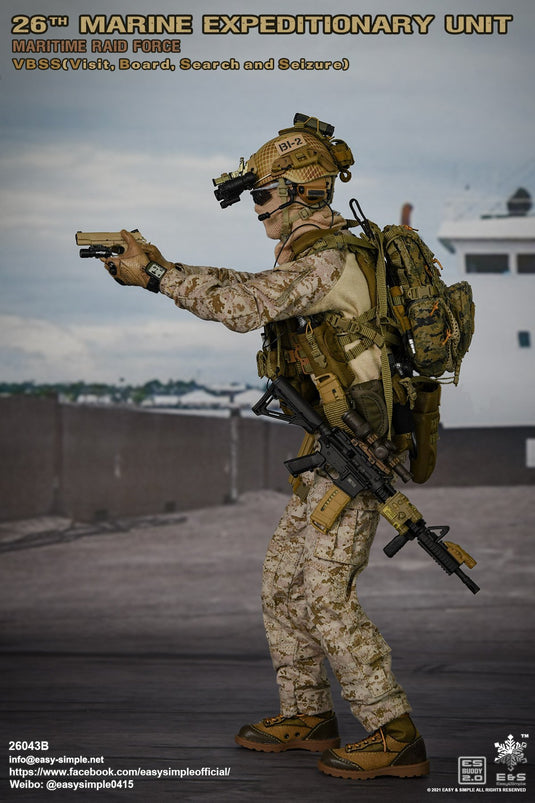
{"points": [[274, 720], [371, 739]]}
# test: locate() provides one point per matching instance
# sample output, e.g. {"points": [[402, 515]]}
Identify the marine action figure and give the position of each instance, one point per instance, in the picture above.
{"points": [[314, 306]]}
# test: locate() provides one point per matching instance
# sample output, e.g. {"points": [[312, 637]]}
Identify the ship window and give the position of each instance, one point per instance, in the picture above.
{"points": [[487, 263], [526, 263], [524, 340], [530, 453]]}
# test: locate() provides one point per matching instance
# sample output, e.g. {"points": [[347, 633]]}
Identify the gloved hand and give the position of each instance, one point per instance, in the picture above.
{"points": [[128, 268]]}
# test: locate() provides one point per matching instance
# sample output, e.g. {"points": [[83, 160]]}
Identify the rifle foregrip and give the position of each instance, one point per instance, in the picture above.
{"points": [[395, 545]]}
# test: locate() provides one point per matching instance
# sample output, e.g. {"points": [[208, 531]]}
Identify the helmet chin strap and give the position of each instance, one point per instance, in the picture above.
{"points": [[288, 192], [288, 220]]}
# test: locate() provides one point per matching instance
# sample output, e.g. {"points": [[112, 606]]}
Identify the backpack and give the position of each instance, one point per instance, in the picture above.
{"points": [[434, 325], [435, 322]]}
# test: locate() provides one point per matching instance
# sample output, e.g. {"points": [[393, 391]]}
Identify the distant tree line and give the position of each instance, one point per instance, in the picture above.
{"points": [[120, 392]]}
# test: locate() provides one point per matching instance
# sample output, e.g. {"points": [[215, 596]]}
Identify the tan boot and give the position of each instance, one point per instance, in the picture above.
{"points": [[394, 749], [317, 732]]}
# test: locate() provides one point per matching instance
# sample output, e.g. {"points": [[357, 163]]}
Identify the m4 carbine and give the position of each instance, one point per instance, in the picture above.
{"points": [[361, 463]]}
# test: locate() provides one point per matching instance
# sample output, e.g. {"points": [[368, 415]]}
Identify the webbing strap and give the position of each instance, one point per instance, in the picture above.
{"points": [[317, 354], [321, 239], [357, 349], [365, 326], [333, 399]]}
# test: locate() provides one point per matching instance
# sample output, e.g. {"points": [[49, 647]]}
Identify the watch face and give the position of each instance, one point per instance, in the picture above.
{"points": [[153, 269]]}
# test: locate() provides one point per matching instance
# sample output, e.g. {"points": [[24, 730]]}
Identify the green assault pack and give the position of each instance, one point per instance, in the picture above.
{"points": [[433, 324], [436, 322]]}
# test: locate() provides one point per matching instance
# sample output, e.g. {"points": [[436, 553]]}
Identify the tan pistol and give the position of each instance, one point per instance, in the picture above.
{"points": [[103, 244]]}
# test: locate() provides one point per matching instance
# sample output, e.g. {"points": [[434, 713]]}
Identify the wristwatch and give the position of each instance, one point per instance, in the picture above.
{"points": [[156, 273]]}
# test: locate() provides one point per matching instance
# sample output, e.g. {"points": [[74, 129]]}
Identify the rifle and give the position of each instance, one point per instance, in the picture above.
{"points": [[361, 463], [104, 244]]}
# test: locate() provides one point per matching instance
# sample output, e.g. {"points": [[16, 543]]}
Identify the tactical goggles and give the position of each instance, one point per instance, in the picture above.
{"points": [[263, 194]]}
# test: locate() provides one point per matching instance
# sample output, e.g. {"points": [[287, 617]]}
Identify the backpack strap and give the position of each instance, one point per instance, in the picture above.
{"points": [[383, 322]]}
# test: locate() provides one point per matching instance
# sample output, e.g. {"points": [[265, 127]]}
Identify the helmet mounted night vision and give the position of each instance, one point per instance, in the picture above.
{"points": [[229, 186], [305, 154]]}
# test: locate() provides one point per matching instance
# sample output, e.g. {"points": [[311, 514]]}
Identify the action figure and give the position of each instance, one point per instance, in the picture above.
{"points": [[318, 285]]}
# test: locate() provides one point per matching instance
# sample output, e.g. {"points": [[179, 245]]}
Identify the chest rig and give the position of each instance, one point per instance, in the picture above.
{"points": [[315, 352]]}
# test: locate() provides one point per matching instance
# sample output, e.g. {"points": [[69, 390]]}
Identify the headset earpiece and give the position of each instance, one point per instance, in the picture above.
{"points": [[314, 192]]}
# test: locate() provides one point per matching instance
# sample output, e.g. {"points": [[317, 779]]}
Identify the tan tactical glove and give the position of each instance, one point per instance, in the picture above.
{"points": [[129, 267]]}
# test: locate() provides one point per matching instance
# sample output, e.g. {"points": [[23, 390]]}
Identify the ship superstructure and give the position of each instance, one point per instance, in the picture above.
{"points": [[496, 254]]}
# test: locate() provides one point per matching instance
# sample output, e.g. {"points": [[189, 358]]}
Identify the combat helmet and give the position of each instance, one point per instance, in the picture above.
{"points": [[305, 156], [302, 161]]}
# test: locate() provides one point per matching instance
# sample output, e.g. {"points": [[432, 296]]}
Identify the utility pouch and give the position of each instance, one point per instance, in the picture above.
{"points": [[261, 364], [267, 364], [368, 399], [426, 419], [430, 325], [402, 426], [462, 304]]}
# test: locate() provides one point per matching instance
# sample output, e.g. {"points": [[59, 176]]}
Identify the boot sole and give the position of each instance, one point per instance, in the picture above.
{"points": [[399, 771], [295, 744]]}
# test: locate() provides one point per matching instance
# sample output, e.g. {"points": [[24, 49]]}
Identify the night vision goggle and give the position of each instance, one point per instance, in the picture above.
{"points": [[229, 186]]}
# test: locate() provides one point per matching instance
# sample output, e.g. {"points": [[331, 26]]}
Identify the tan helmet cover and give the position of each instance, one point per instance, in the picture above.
{"points": [[297, 155]]}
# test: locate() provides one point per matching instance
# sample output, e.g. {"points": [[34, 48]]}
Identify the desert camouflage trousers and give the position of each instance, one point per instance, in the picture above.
{"points": [[311, 612]]}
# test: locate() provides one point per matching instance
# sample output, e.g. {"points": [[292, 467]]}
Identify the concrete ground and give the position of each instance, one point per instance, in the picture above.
{"points": [[140, 644]]}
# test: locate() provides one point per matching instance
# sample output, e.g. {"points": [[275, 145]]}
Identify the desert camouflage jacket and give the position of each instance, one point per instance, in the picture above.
{"points": [[330, 280]]}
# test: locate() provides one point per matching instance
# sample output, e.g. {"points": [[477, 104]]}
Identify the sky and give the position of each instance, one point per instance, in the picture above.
{"points": [[444, 121]]}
